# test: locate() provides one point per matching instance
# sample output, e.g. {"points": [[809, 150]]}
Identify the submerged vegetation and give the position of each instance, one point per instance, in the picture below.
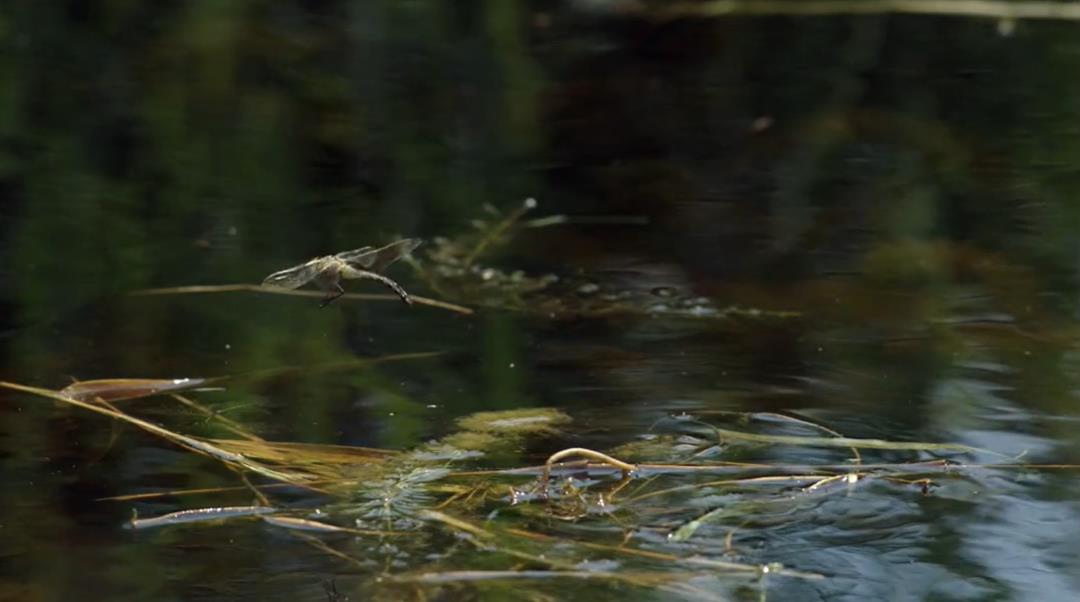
{"points": [[443, 517]]}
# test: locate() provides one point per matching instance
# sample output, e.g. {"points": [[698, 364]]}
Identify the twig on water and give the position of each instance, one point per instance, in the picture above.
{"points": [[276, 290]]}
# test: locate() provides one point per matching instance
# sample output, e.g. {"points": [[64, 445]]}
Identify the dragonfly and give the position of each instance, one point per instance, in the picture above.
{"points": [[328, 271]]}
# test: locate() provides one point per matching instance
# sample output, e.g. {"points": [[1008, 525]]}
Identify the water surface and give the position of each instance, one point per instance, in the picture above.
{"points": [[895, 194]]}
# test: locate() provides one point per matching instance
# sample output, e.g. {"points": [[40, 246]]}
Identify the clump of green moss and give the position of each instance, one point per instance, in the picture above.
{"points": [[516, 422], [470, 441]]}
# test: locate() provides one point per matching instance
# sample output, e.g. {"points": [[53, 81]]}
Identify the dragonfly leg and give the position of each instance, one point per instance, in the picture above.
{"points": [[332, 295]]}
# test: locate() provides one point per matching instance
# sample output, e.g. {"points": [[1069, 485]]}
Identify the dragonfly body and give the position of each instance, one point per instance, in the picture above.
{"points": [[328, 271]]}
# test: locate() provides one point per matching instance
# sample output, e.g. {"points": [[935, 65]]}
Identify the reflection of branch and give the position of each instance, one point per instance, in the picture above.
{"points": [[591, 220], [994, 9], [256, 288]]}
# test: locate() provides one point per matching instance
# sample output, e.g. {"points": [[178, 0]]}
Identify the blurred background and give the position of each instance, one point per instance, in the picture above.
{"points": [[905, 186]]}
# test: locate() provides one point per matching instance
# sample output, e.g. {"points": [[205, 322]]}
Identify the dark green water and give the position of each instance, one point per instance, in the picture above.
{"points": [[908, 185]]}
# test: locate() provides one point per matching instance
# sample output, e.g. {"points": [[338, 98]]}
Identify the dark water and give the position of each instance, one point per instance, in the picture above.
{"points": [[908, 185]]}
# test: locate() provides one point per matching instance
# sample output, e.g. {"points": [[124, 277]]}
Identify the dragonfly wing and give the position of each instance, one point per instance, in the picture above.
{"points": [[356, 255], [377, 260], [294, 277]]}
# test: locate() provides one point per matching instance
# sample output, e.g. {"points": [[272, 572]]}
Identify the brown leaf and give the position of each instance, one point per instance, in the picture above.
{"points": [[116, 389]]}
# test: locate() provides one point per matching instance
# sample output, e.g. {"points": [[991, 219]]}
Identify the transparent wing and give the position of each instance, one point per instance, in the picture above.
{"points": [[356, 255], [377, 260], [294, 277]]}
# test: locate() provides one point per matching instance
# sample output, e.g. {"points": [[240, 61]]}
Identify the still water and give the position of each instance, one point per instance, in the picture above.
{"points": [[772, 225]]}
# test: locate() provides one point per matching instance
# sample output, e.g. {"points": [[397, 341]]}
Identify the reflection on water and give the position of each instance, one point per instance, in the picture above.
{"points": [[888, 202]]}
